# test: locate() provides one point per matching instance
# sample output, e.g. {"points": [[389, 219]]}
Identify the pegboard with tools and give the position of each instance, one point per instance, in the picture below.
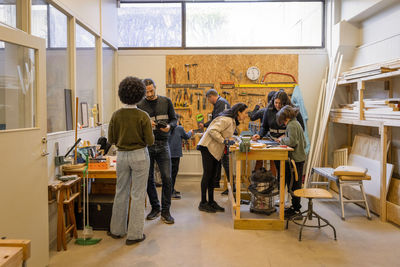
{"points": [[237, 78]]}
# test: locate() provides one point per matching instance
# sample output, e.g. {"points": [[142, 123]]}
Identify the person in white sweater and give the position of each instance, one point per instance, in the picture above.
{"points": [[211, 146]]}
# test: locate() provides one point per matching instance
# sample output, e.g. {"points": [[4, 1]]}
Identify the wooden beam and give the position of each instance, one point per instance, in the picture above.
{"points": [[361, 88], [24, 244], [384, 133], [238, 183]]}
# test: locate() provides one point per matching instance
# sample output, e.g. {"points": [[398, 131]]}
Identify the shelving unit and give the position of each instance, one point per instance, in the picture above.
{"points": [[383, 121]]}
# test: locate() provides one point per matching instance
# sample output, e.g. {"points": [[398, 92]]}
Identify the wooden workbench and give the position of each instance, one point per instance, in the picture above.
{"points": [[267, 223]]}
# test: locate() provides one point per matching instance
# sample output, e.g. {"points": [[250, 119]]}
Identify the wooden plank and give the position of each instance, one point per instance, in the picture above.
{"points": [[383, 132], [371, 78], [361, 88], [282, 190], [238, 184], [24, 244], [259, 224], [10, 256], [394, 191], [393, 213]]}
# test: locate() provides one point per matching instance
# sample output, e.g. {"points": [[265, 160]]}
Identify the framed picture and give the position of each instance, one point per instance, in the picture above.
{"points": [[84, 114]]}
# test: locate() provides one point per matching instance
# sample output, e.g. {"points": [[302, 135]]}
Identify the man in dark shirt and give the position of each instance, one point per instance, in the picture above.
{"points": [[163, 118], [220, 104]]}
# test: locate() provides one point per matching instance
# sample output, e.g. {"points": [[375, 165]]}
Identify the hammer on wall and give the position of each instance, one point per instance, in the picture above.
{"points": [[187, 70]]}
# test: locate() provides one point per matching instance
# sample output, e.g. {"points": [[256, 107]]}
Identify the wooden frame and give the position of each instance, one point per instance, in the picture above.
{"points": [[84, 114], [280, 154]]}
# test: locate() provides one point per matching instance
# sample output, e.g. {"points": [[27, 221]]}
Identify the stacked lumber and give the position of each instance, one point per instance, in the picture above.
{"points": [[386, 110], [370, 70], [327, 93], [379, 105]]}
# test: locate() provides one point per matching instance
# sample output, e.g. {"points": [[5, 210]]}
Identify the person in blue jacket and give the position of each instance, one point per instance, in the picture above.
{"points": [[175, 146]]}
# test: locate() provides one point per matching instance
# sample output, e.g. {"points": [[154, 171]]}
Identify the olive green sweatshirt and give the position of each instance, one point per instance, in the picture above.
{"points": [[294, 137], [130, 129]]}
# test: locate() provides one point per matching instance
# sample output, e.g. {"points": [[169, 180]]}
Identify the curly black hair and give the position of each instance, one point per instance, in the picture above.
{"points": [[131, 90]]}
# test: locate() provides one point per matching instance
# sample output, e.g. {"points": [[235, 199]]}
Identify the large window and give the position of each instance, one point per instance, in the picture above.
{"points": [[108, 82], [8, 12], [17, 87], [150, 25], [51, 24], [86, 71], [221, 24]]}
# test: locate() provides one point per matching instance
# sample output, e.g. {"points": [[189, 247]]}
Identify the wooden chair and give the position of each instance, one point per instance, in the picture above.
{"points": [[310, 193]]}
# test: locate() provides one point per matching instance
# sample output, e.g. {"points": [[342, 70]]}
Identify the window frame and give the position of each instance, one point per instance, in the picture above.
{"points": [[183, 33]]}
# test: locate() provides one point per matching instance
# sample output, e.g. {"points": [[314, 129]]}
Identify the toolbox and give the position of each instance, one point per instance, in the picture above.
{"points": [[100, 211]]}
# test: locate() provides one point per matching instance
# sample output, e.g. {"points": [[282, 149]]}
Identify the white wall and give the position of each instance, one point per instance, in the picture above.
{"points": [[109, 15], [379, 37], [87, 12]]}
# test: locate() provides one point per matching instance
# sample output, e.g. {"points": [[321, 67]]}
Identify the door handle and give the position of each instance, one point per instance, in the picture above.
{"points": [[44, 153]]}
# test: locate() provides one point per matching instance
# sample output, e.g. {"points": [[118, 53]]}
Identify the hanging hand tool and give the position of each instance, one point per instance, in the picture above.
{"points": [[191, 99], [169, 76], [174, 74], [187, 70], [195, 71], [198, 100]]}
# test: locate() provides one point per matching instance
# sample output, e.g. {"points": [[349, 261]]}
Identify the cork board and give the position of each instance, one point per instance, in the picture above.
{"points": [[214, 69]]}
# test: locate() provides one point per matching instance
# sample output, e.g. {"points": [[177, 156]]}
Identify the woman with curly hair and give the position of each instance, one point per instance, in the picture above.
{"points": [[130, 130]]}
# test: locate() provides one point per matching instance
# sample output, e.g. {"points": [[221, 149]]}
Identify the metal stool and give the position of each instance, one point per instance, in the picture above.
{"points": [[311, 193]]}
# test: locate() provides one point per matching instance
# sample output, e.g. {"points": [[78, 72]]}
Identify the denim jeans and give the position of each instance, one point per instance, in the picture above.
{"points": [[160, 153], [132, 171]]}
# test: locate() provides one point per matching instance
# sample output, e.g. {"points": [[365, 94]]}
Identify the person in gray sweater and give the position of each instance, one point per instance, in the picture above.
{"points": [[294, 138], [130, 130]]}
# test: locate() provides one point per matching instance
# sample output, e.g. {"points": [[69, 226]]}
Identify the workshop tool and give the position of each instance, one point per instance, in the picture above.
{"points": [[87, 232], [187, 70], [60, 160], [198, 99], [206, 85], [278, 73], [174, 74], [191, 99], [227, 85], [232, 73], [194, 66], [169, 75], [204, 99], [199, 119], [169, 93], [176, 99]]}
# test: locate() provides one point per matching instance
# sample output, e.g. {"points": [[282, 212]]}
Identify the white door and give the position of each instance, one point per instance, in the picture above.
{"points": [[23, 160]]}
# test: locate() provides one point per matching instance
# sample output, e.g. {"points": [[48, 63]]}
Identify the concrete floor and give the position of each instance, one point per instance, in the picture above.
{"points": [[201, 239]]}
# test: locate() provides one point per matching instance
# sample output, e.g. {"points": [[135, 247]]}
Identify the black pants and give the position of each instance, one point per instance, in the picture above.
{"points": [[296, 184], [210, 167], [223, 162], [159, 152], [174, 171]]}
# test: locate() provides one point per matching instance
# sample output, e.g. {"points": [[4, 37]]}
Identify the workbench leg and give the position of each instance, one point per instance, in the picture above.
{"points": [[60, 218], [238, 184], [231, 171], [282, 192]]}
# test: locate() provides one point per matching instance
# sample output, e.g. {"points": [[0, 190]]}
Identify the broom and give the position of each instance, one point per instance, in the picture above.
{"points": [[87, 232]]}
